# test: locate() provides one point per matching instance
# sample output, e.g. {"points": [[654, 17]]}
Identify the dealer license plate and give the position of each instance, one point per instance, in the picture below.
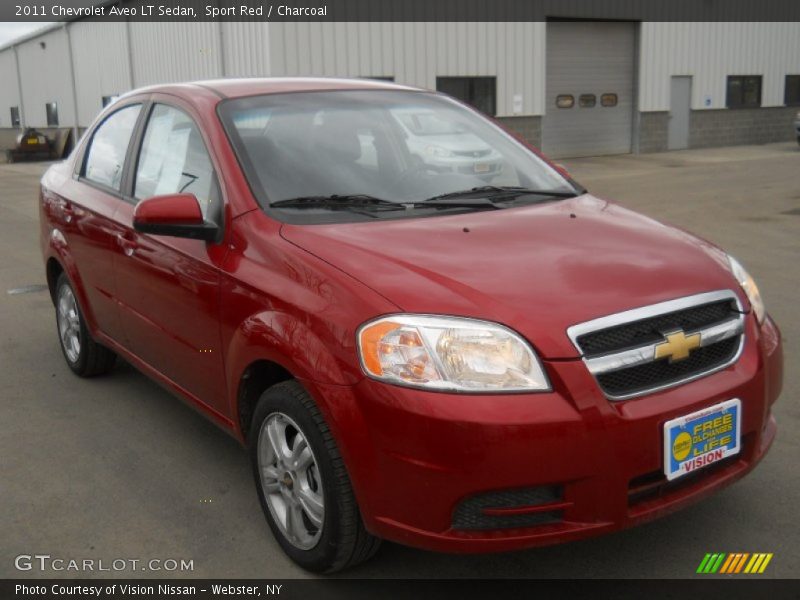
{"points": [[702, 438]]}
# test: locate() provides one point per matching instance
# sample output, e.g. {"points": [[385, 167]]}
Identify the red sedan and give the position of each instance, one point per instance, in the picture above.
{"points": [[420, 328]]}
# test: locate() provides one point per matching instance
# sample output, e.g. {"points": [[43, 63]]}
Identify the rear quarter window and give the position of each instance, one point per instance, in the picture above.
{"points": [[105, 157]]}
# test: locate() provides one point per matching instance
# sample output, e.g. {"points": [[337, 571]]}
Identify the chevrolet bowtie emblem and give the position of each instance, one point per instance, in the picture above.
{"points": [[677, 346]]}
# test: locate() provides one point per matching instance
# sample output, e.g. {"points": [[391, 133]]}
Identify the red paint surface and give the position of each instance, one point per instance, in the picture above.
{"points": [[175, 208]]}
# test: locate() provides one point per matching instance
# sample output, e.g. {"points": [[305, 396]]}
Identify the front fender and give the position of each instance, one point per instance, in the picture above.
{"points": [[284, 340]]}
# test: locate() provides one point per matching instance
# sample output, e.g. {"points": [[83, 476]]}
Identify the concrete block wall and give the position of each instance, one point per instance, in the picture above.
{"points": [[8, 138], [653, 131], [731, 127]]}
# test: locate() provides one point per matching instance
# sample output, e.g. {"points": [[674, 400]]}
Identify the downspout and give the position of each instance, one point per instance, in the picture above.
{"points": [[74, 87], [221, 42], [19, 86]]}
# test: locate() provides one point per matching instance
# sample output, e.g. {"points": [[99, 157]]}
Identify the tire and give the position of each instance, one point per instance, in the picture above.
{"points": [[84, 356], [287, 416]]}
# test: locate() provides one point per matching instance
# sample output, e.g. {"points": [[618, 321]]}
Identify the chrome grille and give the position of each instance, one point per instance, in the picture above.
{"points": [[472, 153], [647, 331], [621, 350]]}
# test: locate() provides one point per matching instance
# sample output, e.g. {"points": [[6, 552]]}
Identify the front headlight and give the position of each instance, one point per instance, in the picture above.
{"points": [[438, 151], [749, 287], [449, 354]]}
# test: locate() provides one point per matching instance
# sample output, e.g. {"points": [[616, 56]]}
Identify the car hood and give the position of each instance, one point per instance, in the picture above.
{"points": [[461, 142], [537, 269]]}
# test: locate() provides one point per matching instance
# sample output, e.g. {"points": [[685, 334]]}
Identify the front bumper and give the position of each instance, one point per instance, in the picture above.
{"points": [[415, 456]]}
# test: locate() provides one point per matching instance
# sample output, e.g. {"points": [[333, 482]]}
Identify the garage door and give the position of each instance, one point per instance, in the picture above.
{"points": [[589, 88]]}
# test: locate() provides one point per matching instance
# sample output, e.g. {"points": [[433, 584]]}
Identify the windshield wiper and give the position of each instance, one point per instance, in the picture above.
{"points": [[338, 201], [365, 202], [476, 198], [493, 192]]}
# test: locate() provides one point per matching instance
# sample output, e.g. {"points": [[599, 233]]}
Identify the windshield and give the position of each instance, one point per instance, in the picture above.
{"points": [[401, 147]]}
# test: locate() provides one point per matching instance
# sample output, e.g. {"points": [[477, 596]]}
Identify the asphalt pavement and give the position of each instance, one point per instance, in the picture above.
{"points": [[115, 468]]}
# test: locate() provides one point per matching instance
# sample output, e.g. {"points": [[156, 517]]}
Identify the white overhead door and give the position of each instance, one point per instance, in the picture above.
{"points": [[589, 88]]}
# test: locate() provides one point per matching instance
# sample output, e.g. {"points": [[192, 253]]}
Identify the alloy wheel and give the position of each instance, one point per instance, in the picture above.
{"points": [[291, 481], [69, 323]]}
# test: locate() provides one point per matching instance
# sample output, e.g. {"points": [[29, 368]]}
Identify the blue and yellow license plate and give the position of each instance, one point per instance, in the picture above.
{"points": [[702, 438]]}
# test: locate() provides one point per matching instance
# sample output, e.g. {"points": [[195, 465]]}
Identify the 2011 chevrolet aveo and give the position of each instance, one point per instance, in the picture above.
{"points": [[414, 343]]}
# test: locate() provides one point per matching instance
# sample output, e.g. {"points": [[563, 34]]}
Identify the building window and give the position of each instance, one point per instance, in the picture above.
{"points": [[15, 121], [791, 93], [608, 100], [480, 92], [109, 99], [565, 101], [587, 100], [744, 91], [52, 114]]}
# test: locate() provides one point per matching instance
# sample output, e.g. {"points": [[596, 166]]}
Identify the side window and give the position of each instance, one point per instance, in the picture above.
{"points": [[106, 155], [173, 159]]}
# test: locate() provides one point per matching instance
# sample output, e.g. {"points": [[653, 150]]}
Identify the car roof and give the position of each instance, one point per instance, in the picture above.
{"points": [[240, 87]]}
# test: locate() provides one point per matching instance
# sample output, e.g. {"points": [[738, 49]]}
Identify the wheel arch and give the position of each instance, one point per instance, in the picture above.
{"points": [[258, 376], [57, 261], [53, 270], [271, 347]]}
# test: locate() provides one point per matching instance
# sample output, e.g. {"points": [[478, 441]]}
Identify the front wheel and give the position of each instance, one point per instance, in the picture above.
{"points": [[303, 485]]}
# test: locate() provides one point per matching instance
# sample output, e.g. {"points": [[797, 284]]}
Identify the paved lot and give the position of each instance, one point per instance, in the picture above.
{"points": [[117, 468]]}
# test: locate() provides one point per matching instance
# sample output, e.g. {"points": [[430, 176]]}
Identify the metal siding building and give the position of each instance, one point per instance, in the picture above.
{"points": [[9, 86], [44, 66], [106, 59]]}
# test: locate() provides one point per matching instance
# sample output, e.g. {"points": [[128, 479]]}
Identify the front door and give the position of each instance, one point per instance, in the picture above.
{"points": [[680, 104], [168, 288]]}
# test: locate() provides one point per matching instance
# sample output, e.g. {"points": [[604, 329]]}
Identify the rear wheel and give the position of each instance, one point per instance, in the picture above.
{"points": [[83, 355], [303, 485]]}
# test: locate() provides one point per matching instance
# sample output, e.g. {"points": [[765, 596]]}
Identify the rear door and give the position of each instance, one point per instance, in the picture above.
{"points": [[168, 288], [86, 209]]}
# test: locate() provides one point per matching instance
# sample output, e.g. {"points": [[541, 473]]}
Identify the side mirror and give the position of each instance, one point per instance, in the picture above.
{"points": [[176, 215]]}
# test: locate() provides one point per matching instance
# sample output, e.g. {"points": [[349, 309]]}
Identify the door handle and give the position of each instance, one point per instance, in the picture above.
{"points": [[66, 209], [128, 246]]}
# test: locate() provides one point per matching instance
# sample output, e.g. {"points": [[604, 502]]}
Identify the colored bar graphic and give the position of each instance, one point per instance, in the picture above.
{"points": [[737, 560], [751, 565], [726, 566], [741, 563], [710, 563], [722, 563], [703, 563], [765, 563], [717, 564]]}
